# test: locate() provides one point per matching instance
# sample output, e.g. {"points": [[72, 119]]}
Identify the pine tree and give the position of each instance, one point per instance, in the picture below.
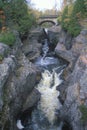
{"points": [[64, 16], [18, 15], [79, 8]]}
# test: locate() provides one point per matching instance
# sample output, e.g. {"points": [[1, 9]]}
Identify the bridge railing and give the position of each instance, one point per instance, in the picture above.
{"points": [[48, 16]]}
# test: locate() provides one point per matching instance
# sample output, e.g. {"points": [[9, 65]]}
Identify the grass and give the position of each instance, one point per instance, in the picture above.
{"points": [[83, 110], [7, 37], [1, 58]]}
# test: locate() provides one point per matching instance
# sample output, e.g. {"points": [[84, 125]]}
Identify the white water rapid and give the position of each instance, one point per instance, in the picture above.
{"points": [[49, 102]]}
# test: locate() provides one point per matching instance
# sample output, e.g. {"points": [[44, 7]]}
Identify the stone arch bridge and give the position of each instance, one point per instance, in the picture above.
{"points": [[49, 18]]}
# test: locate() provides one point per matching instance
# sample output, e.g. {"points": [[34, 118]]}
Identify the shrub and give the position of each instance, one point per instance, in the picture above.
{"points": [[1, 58], [7, 37], [59, 19], [83, 110]]}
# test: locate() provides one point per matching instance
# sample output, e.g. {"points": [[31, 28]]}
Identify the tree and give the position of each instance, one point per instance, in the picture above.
{"points": [[64, 17], [79, 8], [73, 12], [18, 15]]}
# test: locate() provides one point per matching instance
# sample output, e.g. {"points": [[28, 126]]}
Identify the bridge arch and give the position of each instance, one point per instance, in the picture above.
{"points": [[45, 21]]}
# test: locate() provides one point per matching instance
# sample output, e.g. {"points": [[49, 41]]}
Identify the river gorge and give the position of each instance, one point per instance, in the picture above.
{"points": [[44, 115], [43, 83]]}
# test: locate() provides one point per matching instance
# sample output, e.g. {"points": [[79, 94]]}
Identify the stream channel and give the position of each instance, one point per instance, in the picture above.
{"points": [[45, 115]]}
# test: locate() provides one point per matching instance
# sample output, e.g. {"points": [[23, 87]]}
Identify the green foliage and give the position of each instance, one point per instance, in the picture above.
{"points": [[77, 13], [59, 19], [8, 38], [83, 110], [18, 15], [69, 22], [1, 4], [25, 24], [79, 8], [74, 29], [64, 16], [71, 16], [85, 3], [1, 57]]}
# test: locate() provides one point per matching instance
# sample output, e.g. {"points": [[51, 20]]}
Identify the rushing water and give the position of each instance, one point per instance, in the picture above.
{"points": [[45, 116], [49, 95]]}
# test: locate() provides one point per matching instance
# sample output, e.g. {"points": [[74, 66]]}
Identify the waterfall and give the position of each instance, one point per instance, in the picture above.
{"points": [[45, 48], [46, 30], [49, 102]]}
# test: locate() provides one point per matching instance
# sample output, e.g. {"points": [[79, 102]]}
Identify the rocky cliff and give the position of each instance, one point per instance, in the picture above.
{"points": [[74, 88], [18, 77]]}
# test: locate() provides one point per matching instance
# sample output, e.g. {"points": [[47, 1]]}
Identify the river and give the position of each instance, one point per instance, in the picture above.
{"points": [[45, 114]]}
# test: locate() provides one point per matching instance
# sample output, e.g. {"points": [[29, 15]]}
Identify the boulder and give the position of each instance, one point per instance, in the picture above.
{"points": [[32, 49], [67, 55], [32, 99]]}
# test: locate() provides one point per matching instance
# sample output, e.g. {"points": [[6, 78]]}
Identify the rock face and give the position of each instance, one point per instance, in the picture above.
{"points": [[32, 50], [31, 47], [54, 34], [74, 88], [18, 77]]}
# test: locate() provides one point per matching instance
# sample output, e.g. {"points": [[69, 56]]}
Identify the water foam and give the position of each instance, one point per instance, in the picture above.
{"points": [[49, 102], [19, 125]]}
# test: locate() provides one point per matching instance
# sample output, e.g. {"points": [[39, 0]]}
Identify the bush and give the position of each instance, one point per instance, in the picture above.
{"points": [[59, 19], [7, 37], [1, 58], [83, 110]]}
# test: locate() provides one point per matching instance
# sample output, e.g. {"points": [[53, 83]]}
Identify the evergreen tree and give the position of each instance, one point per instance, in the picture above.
{"points": [[18, 15], [79, 8], [64, 16]]}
